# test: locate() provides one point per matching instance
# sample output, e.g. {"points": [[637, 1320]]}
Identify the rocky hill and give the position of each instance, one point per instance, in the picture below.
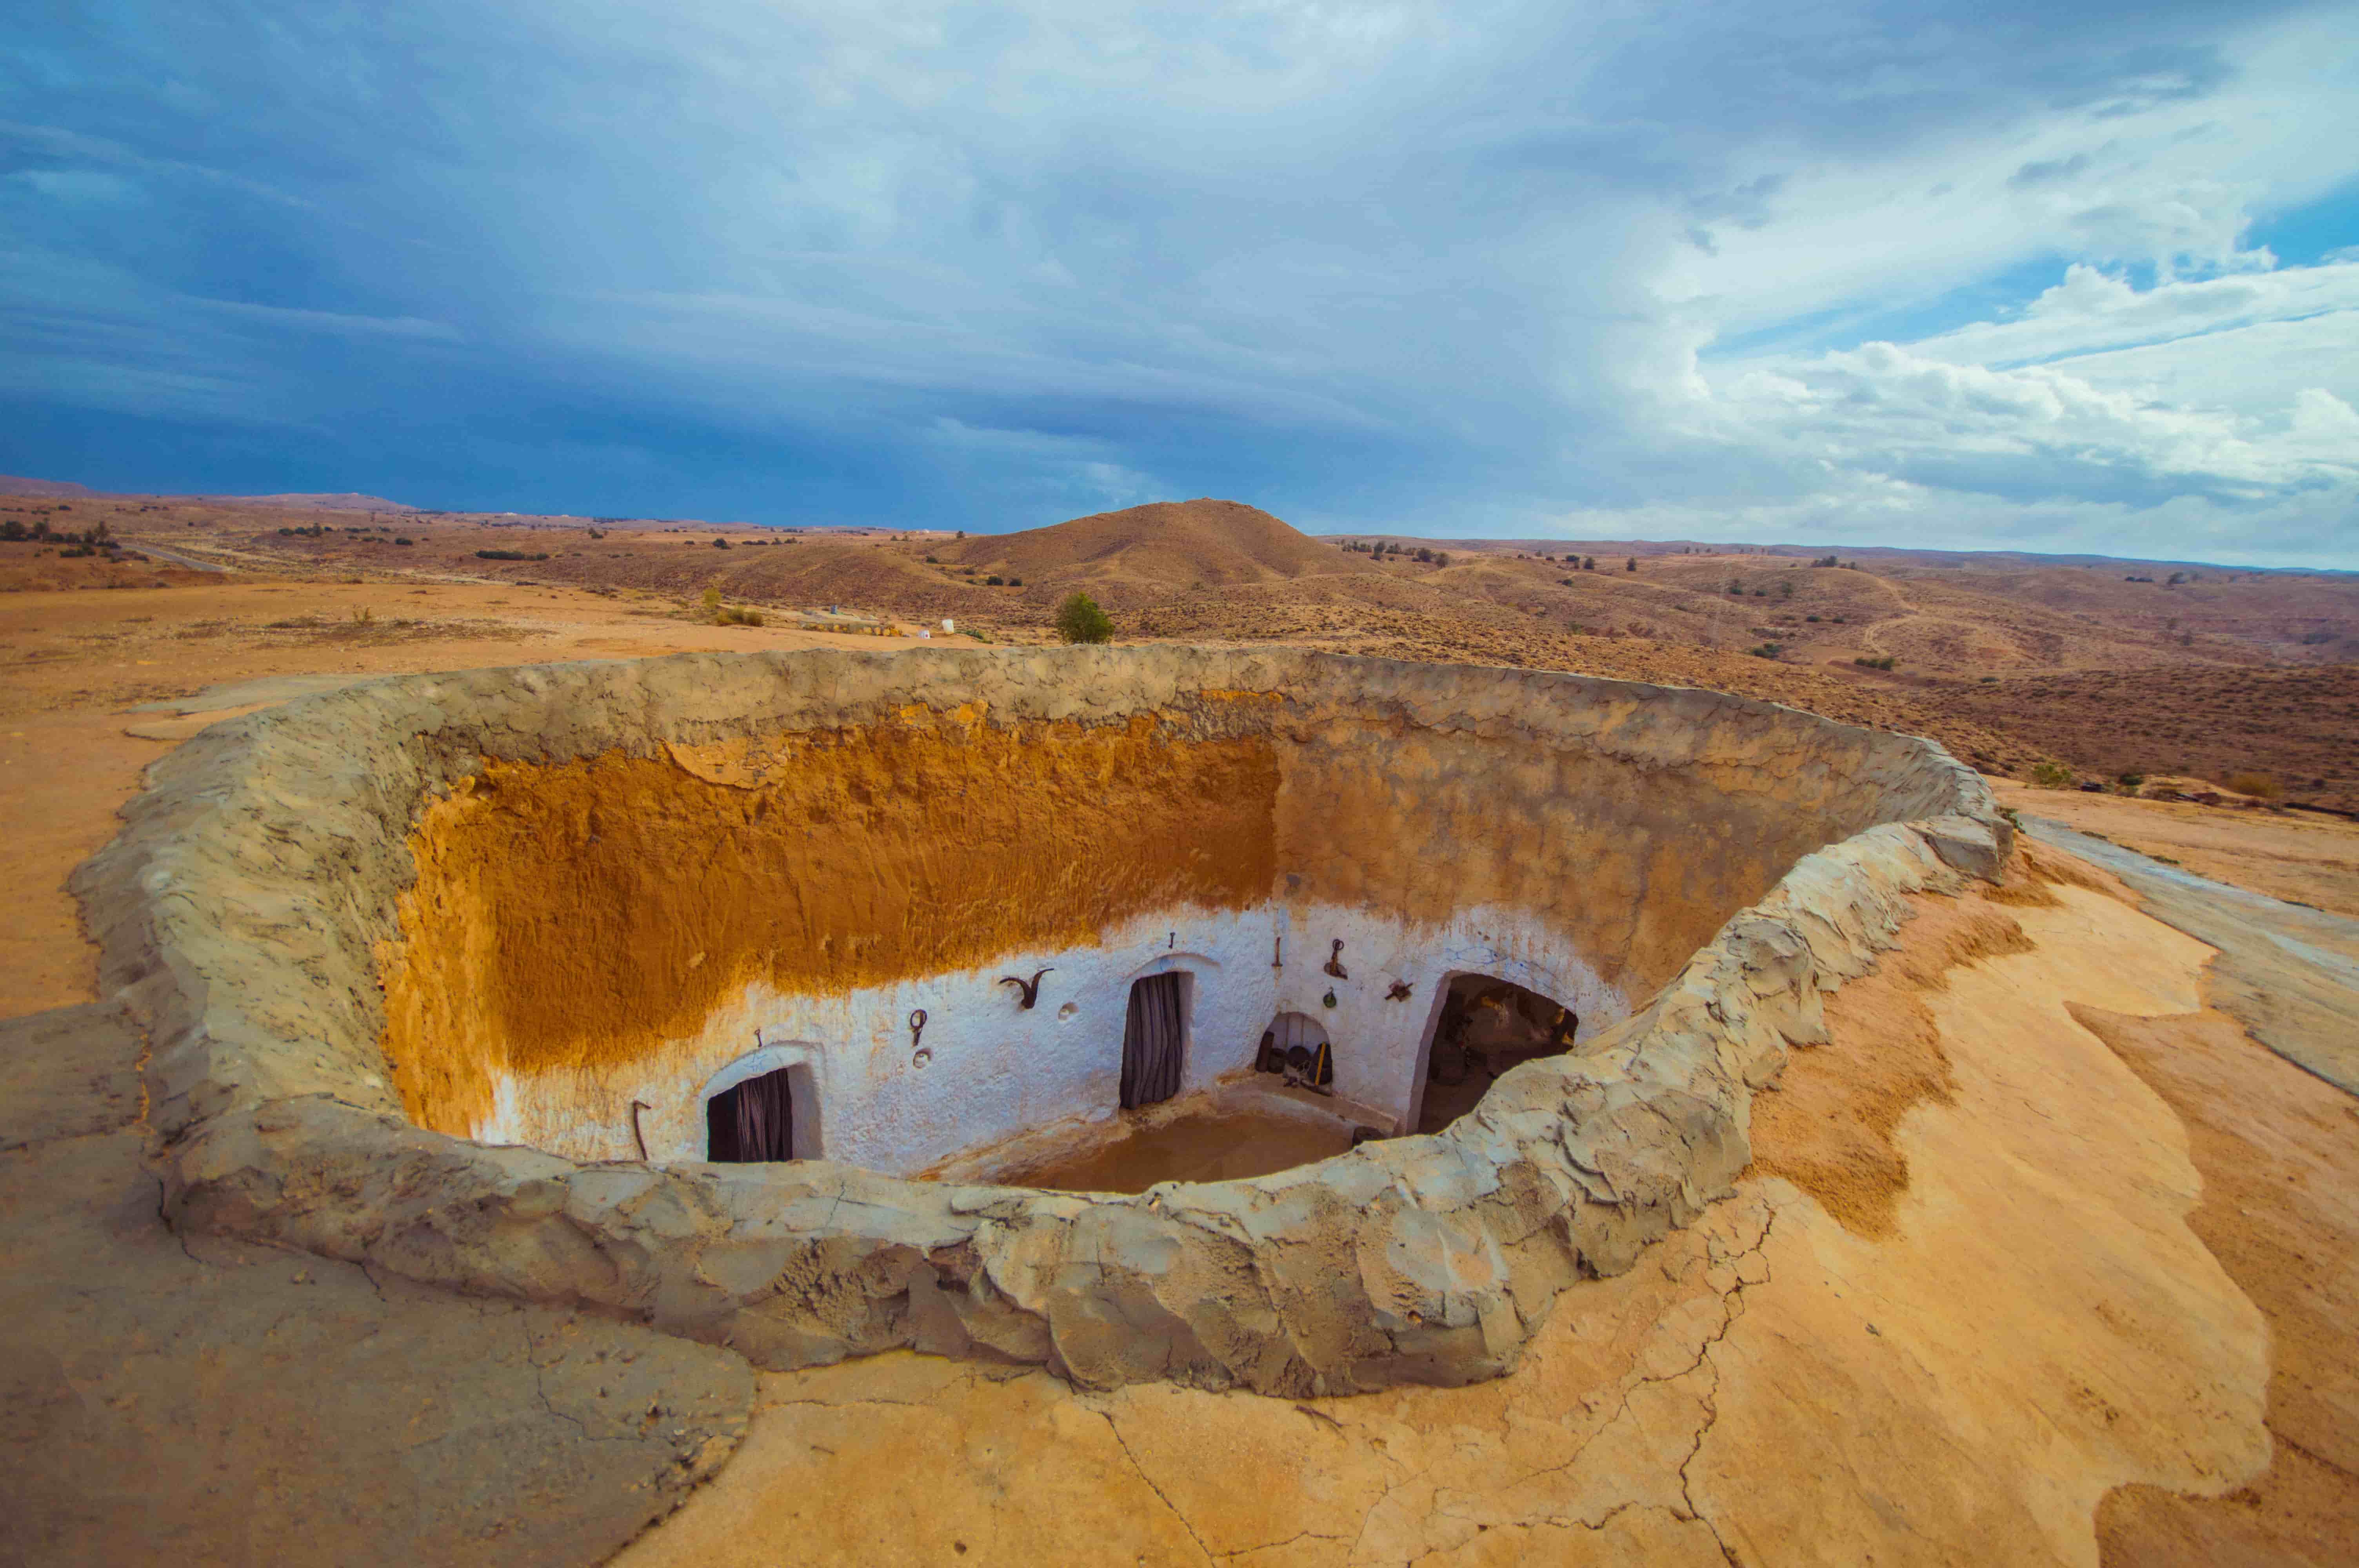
{"points": [[1145, 552]]}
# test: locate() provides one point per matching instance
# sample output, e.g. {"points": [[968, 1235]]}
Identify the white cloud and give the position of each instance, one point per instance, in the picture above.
{"points": [[2234, 403], [2092, 310], [2170, 183], [330, 321], [2037, 432], [77, 185]]}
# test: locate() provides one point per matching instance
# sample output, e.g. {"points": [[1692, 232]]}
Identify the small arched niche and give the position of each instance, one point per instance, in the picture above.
{"points": [[1296, 1045]]}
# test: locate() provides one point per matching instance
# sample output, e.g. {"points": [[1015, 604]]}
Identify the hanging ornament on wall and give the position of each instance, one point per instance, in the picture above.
{"points": [[1328, 1000], [1031, 988]]}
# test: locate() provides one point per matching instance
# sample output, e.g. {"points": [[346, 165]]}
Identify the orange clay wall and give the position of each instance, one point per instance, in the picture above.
{"points": [[577, 915], [1634, 867]]}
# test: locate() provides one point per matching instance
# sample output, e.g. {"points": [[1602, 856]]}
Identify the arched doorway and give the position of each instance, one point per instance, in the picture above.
{"points": [[1484, 1027], [752, 1123], [1154, 1038], [1295, 1044]]}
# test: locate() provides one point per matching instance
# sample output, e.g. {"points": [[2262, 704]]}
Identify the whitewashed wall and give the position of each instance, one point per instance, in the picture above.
{"points": [[1380, 1044], [993, 1069]]}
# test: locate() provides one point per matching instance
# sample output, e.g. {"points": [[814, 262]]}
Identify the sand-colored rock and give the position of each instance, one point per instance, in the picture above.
{"points": [[2297, 856], [180, 1400], [2038, 1324], [2280, 1152], [2288, 972]]}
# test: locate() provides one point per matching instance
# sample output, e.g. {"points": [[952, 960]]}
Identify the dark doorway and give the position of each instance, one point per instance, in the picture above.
{"points": [[753, 1123], [1487, 1026], [1151, 1040]]}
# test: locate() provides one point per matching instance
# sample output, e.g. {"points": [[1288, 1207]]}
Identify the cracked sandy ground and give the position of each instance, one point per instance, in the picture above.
{"points": [[2038, 1327]]}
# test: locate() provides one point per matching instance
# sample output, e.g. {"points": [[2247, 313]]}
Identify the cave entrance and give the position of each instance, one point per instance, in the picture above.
{"points": [[753, 1123], [1485, 1026], [1153, 1039]]}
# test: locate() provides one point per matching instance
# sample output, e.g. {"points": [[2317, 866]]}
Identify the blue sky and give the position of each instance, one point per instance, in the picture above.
{"points": [[1980, 276]]}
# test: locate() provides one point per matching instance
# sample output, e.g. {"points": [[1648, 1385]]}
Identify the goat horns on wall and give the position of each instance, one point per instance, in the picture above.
{"points": [[1334, 961], [1031, 988]]}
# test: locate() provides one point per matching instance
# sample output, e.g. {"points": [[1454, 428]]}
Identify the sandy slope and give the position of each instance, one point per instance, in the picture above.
{"points": [[2294, 856]]}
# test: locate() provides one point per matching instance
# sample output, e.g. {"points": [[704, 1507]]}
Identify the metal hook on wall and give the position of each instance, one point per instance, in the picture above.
{"points": [[638, 1106], [917, 1026], [1334, 961], [1031, 988]]}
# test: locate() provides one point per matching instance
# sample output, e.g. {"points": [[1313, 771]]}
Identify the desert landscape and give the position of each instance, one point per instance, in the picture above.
{"points": [[1379, 785], [2044, 1246], [2108, 670]]}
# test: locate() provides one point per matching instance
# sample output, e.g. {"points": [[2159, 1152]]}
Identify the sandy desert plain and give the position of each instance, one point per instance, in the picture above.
{"points": [[2048, 1254]]}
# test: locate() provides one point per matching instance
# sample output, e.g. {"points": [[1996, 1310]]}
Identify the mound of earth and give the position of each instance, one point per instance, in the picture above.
{"points": [[1168, 545]]}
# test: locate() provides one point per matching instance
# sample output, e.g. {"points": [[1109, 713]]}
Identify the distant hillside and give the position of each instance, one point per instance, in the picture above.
{"points": [[11, 486], [345, 502], [1164, 546]]}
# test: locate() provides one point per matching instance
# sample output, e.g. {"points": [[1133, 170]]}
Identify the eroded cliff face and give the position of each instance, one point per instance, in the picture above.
{"points": [[1613, 826], [579, 915]]}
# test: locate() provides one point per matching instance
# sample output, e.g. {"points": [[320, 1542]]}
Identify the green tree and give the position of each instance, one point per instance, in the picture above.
{"points": [[1079, 619]]}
